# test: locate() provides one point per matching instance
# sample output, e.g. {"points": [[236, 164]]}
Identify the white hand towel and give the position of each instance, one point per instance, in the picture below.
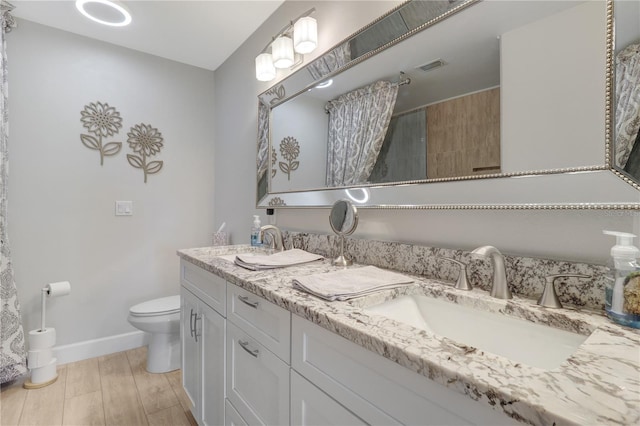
{"points": [[258, 262], [350, 283]]}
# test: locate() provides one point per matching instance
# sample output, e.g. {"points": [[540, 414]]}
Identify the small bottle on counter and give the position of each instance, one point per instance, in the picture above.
{"points": [[622, 292], [255, 232]]}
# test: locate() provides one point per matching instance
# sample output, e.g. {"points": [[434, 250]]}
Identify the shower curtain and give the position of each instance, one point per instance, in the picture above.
{"points": [[12, 352], [358, 121], [627, 102]]}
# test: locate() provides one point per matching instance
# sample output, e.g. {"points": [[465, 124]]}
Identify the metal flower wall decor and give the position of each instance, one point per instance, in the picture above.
{"points": [[290, 149], [146, 141], [101, 121]]}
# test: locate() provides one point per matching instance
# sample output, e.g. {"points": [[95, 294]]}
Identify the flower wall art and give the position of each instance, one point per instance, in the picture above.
{"points": [[103, 121], [290, 149], [146, 141]]}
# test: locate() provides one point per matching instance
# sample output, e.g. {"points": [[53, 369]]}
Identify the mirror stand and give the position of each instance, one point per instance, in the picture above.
{"points": [[342, 260], [343, 220]]}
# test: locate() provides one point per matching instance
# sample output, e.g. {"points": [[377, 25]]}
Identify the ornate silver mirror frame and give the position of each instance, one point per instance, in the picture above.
{"points": [[599, 186]]}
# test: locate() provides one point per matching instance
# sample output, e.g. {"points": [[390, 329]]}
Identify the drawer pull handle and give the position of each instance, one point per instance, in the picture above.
{"points": [[245, 346], [246, 301], [195, 326], [191, 323]]}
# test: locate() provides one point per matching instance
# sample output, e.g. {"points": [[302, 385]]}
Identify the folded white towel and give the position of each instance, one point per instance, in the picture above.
{"points": [[258, 262], [350, 283]]}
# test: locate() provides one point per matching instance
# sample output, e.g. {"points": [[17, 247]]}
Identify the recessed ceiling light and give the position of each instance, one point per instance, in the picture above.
{"points": [[324, 84], [104, 12]]}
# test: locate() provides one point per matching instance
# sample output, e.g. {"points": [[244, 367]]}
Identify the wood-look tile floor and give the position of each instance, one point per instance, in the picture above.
{"points": [[109, 390]]}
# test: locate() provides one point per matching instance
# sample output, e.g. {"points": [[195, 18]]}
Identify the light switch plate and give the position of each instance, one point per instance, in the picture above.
{"points": [[124, 208]]}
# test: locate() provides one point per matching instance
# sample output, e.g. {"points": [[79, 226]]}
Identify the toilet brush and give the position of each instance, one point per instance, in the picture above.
{"points": [[40, 360]]}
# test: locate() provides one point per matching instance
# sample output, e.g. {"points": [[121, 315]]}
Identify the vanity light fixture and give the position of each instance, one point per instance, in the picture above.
{"points": [[287, 47], [107, 9], [282, 52]]}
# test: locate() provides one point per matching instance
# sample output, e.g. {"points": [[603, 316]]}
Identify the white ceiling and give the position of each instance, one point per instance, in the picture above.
{"points": [[200, 33]]}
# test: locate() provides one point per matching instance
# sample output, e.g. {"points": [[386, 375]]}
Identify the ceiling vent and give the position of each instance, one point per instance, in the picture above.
{"points": [[430, 66]]}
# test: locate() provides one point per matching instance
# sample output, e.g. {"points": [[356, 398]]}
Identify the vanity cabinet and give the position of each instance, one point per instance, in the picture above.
{"points": [[202, 334], [247, 361]]}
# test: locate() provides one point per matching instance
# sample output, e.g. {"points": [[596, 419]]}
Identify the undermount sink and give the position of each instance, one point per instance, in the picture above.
{"points": [[513, 338]]}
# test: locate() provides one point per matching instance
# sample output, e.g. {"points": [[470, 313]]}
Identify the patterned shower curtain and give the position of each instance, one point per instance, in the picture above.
{"points": [[627, 102], [358, 121], [12, 352]]}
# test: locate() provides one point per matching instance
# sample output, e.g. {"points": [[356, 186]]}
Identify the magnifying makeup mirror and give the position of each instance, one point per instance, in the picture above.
{"points": [[344, 221]]}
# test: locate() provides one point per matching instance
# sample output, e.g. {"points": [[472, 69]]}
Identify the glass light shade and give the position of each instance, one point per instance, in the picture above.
{"points": [[282, 52], [305, 35], [265, 71]]}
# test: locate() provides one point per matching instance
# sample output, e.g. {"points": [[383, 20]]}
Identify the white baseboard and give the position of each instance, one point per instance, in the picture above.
{"points": [[99, 347]]}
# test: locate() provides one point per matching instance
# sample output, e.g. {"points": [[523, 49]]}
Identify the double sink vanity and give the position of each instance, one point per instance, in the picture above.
{"points": [[257, 351]]}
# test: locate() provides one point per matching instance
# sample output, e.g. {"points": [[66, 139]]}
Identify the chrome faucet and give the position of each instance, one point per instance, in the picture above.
{"points": [[499, 288], [275, 237]]}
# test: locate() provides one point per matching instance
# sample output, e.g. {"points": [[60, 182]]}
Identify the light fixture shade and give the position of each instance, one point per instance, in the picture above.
{"points": [[265, 71], [282, 52], [305, 35]]}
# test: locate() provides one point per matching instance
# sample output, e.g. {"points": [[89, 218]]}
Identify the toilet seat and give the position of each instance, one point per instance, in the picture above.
{"points": [[161, 306]]}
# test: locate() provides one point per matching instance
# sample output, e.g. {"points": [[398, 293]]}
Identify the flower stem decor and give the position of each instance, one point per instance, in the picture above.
{"points": [[290, 149], [101, 120], [274, 158], [146, 141]]}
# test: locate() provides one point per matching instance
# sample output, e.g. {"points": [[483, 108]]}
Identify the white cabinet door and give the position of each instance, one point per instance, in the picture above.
{"points": [[191, 371], [257, 380], [211, 339], [312, 407], [202, 333]]}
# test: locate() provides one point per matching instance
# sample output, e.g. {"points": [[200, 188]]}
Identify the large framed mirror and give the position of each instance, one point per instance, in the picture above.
{"points": [[468, 104]]}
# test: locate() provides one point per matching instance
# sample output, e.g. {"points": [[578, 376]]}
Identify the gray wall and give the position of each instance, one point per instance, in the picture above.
{"points": [[570, 235], [61, 202]]}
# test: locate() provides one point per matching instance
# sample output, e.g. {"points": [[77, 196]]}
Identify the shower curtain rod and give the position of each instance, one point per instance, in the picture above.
{"points": [[401, 82]]}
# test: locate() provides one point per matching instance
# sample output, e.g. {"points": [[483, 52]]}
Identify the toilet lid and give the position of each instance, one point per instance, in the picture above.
{"points": [[164, 305]]}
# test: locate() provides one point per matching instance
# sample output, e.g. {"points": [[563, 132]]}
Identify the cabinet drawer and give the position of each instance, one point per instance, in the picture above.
{"points": [[264, 321], [311, 406], [257, 380], [231, 416], [209, 288], [376, 389]]}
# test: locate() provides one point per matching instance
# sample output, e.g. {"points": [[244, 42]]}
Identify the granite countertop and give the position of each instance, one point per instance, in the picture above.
{"points": [[598, 384]]}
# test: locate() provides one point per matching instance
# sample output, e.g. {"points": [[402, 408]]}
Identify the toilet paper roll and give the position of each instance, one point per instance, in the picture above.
{"points": [[45, 373], [42, 339], [39, 358], [61, 288]]}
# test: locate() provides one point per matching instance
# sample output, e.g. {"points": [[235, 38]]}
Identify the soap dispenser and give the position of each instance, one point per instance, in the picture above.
{"points": [[255, 231], [622, 291]]}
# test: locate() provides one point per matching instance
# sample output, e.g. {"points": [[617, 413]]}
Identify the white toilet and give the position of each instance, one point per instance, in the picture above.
{"points": [[160, 318]]}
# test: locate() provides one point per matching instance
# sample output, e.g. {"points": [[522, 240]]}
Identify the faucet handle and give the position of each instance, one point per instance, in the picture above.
{"points": [[463, 281], [549, 297]]}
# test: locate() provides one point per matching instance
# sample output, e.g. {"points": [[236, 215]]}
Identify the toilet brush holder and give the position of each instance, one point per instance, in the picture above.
{"points": [[40, 359]]}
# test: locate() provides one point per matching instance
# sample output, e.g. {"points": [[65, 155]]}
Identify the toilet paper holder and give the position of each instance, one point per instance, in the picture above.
{"points": [[61, 288], [41, 361]]}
